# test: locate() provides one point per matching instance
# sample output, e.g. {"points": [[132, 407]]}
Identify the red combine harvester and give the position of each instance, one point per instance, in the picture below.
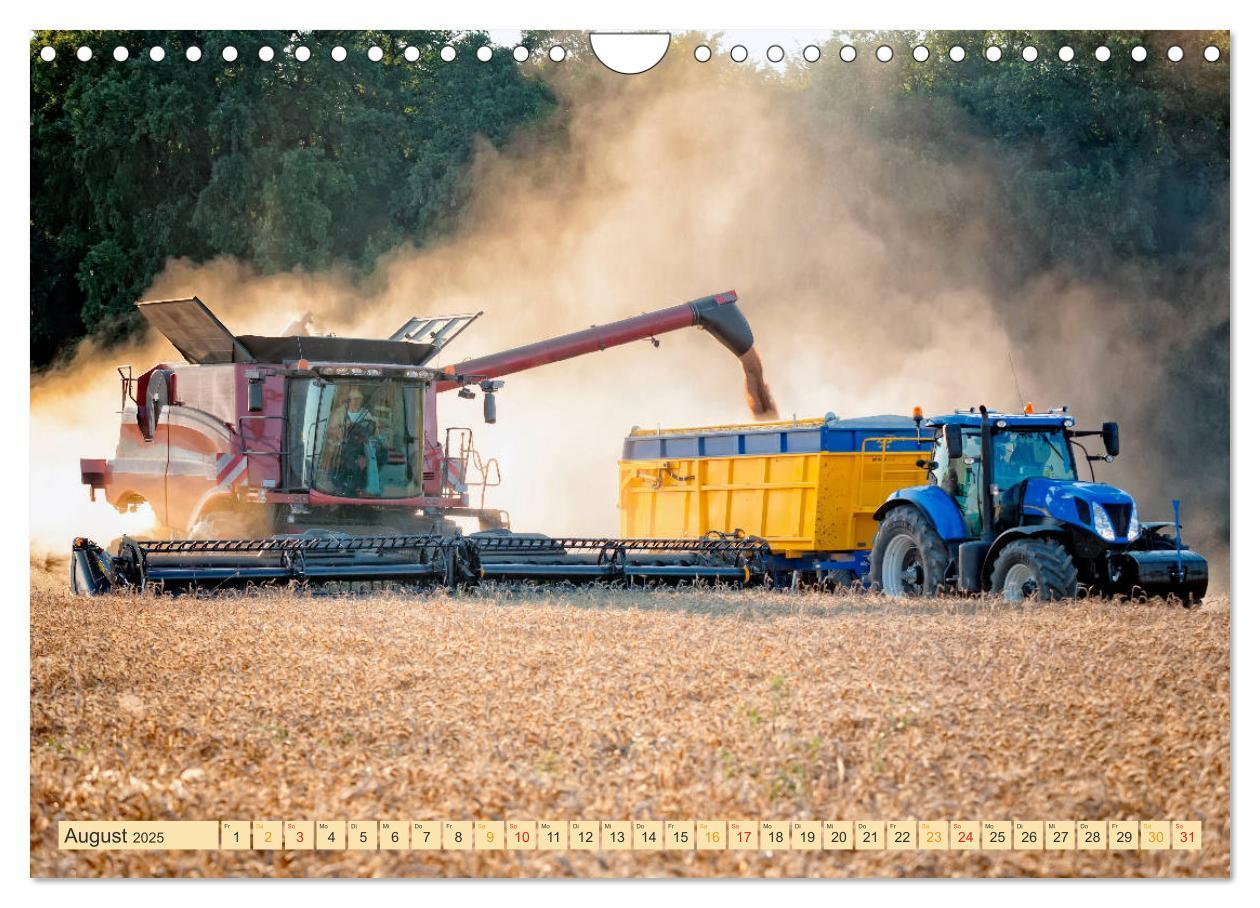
{"points": [[306, 443]]}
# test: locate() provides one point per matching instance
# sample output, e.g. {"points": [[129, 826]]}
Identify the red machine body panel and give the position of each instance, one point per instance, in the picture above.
{"points": [[193, 456]]}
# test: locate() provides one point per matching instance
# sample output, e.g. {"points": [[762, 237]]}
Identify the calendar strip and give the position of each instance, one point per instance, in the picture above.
{"points": [[631, 835]]}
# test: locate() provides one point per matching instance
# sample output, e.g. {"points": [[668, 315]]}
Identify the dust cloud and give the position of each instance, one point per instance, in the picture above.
{"points": [[875, 279]]}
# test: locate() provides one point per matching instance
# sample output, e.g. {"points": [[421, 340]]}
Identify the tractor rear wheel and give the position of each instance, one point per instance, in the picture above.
{"points": [[1034, 569], [909, 557]]}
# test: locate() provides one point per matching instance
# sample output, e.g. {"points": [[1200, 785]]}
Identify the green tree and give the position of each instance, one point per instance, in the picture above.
{"points": [[285, 164]]}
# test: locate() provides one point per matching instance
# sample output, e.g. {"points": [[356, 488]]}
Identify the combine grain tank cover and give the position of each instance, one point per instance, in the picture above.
{"points": [[194, 331], [336, 350]]}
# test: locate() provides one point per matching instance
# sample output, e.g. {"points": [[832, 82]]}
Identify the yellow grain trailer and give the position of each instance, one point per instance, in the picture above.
{"points": [[808, 487]]}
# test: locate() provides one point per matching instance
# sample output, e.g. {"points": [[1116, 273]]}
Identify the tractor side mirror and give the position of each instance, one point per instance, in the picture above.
{"points": [[953, 441], [1111, 438]]}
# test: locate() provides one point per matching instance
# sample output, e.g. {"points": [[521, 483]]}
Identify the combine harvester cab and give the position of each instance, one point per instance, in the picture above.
{"points": [[335, 443]]}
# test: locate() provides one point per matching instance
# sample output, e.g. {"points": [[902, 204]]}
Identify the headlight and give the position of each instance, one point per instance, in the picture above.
{"points": [[1135, 528], [1102, 524]]}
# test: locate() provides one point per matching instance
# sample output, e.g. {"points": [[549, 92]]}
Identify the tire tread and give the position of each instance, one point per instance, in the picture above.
{"points": [[1051, 560]]}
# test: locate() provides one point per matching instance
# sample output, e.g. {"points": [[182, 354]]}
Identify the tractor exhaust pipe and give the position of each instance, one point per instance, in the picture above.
{"points": [[986, 476]]}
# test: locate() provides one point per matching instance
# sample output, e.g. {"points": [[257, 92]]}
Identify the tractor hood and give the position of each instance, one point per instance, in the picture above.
{"points": [[1103, 510]]}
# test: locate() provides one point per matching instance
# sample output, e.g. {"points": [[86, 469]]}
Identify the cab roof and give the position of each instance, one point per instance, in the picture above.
{"points": [[1012, 420]]}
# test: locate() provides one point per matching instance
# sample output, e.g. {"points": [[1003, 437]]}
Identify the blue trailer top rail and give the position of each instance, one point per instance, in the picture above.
{"points": [[829, 434]]}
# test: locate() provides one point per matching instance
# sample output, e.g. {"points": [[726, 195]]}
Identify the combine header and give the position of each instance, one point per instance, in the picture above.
{"points": [[326, 451], [452, 561]]}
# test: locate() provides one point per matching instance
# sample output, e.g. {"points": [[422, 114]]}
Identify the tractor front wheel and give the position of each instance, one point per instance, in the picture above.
{"points": [[1034, 569], [909, 557]]}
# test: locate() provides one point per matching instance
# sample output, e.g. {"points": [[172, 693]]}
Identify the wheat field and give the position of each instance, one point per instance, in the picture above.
{"points": [[612, 704]]}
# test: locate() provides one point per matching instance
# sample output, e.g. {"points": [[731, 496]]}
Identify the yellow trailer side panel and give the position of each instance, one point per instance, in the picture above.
{"points": [[811, 502]]}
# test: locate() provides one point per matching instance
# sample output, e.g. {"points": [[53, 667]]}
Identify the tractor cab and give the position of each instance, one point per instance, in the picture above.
{"points": [[1028, 476], [1022, 449]]}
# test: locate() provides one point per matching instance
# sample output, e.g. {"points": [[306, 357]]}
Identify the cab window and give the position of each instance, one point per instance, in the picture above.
{"points": [[1030, 454], [358, 439]]}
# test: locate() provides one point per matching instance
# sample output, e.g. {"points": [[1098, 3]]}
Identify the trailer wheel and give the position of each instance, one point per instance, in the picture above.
{"points": [[1034, 569], [909, 557]]}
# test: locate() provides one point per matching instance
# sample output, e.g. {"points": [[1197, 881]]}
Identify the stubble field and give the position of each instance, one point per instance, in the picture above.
{"points": [[605, 704]]}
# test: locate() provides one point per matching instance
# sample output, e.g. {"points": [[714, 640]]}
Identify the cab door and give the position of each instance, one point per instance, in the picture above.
{"points": [[960, 478]]}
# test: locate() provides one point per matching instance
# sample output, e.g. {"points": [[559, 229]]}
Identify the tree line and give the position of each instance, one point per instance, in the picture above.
{"points": [[309, 164]]}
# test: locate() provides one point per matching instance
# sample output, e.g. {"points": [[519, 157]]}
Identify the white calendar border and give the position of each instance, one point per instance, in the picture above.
{"points": [[644, 14]]}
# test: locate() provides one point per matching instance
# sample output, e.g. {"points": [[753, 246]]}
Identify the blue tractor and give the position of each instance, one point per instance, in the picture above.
{"points": [[1005, 510]]}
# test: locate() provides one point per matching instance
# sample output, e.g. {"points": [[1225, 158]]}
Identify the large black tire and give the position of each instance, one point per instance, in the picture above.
{"points": [[909, 557], [1034, 569]]}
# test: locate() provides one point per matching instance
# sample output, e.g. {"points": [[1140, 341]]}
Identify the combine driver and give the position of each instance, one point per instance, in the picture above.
{"points": [[356, 471]]}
